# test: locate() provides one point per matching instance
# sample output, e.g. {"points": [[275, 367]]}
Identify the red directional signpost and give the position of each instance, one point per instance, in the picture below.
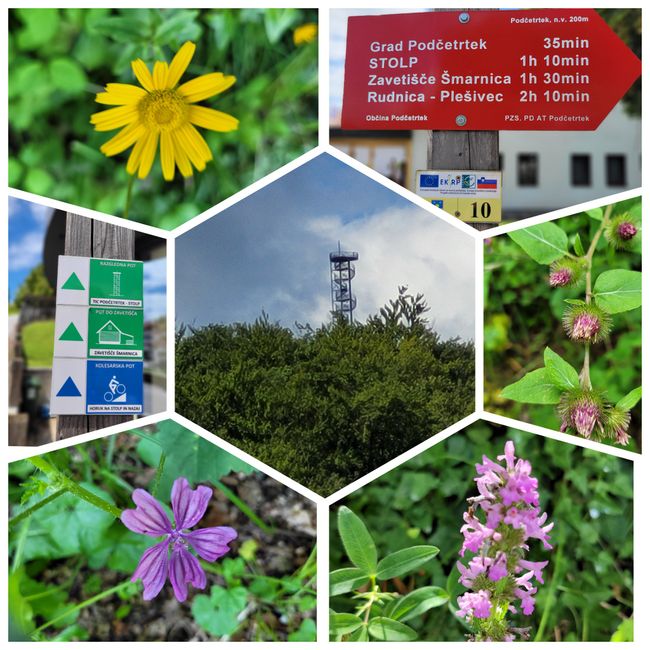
{"points": [[540, 69]]}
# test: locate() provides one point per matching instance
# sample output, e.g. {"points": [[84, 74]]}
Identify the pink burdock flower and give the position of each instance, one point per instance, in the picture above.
{"points": [[626, 230], [622, 231], [586, 323], [498, 576], [566, 272], [171, 556], [560, 278], [617, 422], [581, 411]]}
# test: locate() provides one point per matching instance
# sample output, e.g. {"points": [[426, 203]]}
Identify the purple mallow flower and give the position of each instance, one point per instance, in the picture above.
{"points": [[498, 575], [180, 564]]}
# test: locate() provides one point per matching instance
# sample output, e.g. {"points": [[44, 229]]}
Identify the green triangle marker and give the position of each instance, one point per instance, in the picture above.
{"points": [[73, 283], [71, 333]]}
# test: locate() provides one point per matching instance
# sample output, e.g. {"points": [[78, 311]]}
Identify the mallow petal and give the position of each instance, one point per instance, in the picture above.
{"points": [[189, 505], [184, 568], [152, 569], [211, 543], [148, 518]]}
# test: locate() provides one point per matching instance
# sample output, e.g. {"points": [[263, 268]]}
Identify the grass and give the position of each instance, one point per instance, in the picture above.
{"points": [[38, 343]]}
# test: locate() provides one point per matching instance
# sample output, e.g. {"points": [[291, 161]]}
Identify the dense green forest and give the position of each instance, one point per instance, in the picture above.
{"points": [[325, 405]]}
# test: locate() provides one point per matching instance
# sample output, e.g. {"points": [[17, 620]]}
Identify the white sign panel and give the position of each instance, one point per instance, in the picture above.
{"points": [[72, 280], [71, 332], [68, 395]]}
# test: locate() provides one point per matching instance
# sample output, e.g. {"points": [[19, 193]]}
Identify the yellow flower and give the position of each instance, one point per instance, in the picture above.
{"points": [[163, 111], [305, 33]]}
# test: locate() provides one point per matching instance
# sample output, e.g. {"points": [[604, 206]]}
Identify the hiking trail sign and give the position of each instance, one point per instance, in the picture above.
{"points": [[538, 69], [98, 350]]}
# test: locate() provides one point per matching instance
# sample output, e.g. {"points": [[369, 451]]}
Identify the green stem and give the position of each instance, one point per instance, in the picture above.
{"points": [[67, 484], [585, 378], [244, 507], [81, 605], [550, 598], [20, 547], [159, 471], [129, 194], [32, 509]]}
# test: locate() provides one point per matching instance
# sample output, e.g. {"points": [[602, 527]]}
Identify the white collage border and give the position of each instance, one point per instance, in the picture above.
{"points": [[641, 465]]}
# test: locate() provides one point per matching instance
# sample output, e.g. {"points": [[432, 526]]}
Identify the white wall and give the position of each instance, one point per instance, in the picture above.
{"points": [[618, 134]]}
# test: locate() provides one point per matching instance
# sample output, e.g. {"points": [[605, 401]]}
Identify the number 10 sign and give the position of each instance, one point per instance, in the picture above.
{"points": [[469, 195]]}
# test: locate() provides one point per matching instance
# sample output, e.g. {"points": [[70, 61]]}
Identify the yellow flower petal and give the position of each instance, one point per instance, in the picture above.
{"points": [[114, 118], [167, 155], [179, 63], [183, 162], [142, 74], [189, 145], [205, 86], [136, 155], [305, 33], [119, 94], [160, 70], [123, 140], [148, 154], [208, 118]]}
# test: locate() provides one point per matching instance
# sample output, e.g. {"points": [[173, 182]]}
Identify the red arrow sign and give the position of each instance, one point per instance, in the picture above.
{"points": [[546, 69]]}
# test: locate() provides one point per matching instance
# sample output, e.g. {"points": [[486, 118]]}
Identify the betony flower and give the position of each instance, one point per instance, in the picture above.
{"points": [[586, 323], [162, 111], [498, 577], [171, 557]]}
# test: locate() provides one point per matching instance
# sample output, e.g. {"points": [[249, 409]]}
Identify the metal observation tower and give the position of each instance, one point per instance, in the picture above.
{"points": [[341, 274]]}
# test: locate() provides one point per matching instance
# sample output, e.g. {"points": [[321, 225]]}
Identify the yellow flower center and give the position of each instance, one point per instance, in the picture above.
{"points": [[163, 110]]}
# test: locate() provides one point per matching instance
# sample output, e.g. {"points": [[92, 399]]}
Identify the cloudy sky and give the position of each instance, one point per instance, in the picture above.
{"points": [[271, 252], [28, 224]]}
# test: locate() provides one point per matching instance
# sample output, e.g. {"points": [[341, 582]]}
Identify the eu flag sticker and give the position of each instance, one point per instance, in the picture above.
{"points": [[429, 180]]}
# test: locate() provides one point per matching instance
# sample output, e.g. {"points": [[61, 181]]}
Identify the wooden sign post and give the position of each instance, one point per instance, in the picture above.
{"points": [[89, 238]]}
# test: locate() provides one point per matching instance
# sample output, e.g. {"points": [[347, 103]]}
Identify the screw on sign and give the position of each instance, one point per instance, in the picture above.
{"points": [[539, 69]]}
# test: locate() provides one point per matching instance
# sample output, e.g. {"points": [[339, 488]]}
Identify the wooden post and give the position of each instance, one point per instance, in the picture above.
{"points": [[89, 238], [464, 149]]}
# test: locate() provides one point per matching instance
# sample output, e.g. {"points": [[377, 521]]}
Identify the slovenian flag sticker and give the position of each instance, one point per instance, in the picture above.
{"points": [[486, 183]]}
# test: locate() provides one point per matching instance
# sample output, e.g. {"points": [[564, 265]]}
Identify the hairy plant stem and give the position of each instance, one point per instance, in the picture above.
{"points": [[32, 509], [60, 480], [585, 377]]}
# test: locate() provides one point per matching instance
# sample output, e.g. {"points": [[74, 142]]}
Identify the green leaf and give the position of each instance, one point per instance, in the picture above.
{"points": [[545, 242], [618, 290], [357, 541], [343, 623], [404, 561], [624, 632], [306, 632], [66, 526], [561, 373], [67, 75], [359, 635], [595, 213], [628, 402], [187, 455], [348, 579], [386, 629], [217, 613], [416, 603], [533, 388], [577, 245]]}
